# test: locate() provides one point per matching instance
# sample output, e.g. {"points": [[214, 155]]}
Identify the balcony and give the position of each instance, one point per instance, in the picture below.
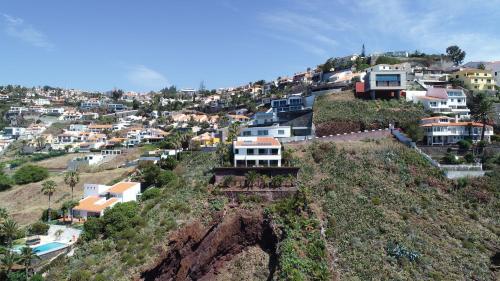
{"points": [[388, 83]]}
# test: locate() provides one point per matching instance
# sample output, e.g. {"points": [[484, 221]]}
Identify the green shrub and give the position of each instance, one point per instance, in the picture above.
{"points": [[464, 144], [168, 164], [151, 193], [469, 157], [38, 228], [5, 182], [37, 277], [119, 218], [165, 178], [451, 159], [387, 60], [54, 214], [80, 275], [92, 228], [30, 173]]}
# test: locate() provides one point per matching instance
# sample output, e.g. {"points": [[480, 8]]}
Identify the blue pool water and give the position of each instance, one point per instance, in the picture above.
{"points": [[49, 247]]}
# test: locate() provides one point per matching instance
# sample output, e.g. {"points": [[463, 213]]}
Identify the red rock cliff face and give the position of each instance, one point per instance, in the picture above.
{"points": [[196, 252]]}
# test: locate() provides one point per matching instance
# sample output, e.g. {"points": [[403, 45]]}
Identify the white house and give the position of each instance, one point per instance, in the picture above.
{"points": [[275, 131], [99, 197], [445, 101], [443, 130], [257, 151]]}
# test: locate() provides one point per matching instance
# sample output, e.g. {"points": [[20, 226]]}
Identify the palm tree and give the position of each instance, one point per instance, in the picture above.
{"points": [[48, 188], [252, 178], [27, 256], [481, 109], [71, 178], [9, 229], [9, 259], [266, 181], [233, 131]]}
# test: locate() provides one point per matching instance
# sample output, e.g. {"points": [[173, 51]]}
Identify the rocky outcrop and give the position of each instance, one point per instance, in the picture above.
{"points": [[196, 252]]}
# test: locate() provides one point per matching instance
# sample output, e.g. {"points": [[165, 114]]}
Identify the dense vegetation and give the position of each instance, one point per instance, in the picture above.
{"points": [[344, 116], [30, 173], [389, 215]]}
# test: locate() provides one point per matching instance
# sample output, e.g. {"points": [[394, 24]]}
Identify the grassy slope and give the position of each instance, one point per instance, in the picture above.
{"points": [[374, 195], [109, 259], [344, 108]]}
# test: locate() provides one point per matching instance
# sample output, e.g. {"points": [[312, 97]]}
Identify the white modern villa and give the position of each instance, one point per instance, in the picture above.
{"points": [[257, 152], [98, 197]]}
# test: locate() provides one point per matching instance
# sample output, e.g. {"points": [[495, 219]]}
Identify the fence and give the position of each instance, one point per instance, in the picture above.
{"points": [[451, 171]]}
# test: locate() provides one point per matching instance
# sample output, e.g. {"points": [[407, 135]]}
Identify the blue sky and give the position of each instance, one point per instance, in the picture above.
{"points": [[146, 45]]}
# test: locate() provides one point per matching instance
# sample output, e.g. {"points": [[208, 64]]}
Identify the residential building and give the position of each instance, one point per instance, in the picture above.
{"points": [[55, 111], [206, 140], [99, 197], [90, 104], [476, 79], [265, 118], [444, 130], [445, 101], [494, 67], [275, 131], [98, 128], [291, 103], [13, 131], [238, 118], [257, 151], [116, 107], [386, 81]]}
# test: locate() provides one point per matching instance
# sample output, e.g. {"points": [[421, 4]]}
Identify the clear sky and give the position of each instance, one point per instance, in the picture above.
{"points": [[146, 45]]}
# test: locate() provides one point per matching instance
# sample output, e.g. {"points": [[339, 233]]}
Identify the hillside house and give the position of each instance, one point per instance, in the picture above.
{"points": [[257, 152], [443, 130]]}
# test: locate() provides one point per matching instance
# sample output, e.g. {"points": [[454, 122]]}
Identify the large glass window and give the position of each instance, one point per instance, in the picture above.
{"points": [[250, 151], [262, 151]]}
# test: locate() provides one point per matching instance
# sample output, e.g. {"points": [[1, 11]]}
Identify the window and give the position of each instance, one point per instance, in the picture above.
{"points": [[433, 103], [262, 151], [273, 162], [251, 163], [274, 151], [250, 151], [281, 132], [262, 132], [247, 133], [236, 151]]}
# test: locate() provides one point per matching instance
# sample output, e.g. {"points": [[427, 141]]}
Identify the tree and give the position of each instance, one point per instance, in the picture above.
{"points": [[48, 188], [9, 259], [414, 132], [9, 230], [27, 256], [481, 66], [116, 94], [68, 207], [481, 108], [456, 54], [233, 131], [30, 173], [71, 178], [363, 54], [5, 182]]}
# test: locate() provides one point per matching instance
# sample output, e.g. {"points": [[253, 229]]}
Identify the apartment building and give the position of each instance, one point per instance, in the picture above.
{"points": [[275, 131], [476, 79]]}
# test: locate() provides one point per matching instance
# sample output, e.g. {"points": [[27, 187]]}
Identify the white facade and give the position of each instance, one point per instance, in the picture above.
{"points": [[443, 130], [275, 131], [445, 101], [257, 151], [90, 189], [127, 195]]}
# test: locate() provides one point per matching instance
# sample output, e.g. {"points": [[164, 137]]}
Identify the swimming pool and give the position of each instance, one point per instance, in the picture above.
{"points": [[49, 247]]}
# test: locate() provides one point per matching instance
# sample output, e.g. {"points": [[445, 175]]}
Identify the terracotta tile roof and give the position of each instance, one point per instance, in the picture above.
{"points": [[455, 124], [258, 142], [121, 187], [239, 117], [90, 204], [97, 126]]}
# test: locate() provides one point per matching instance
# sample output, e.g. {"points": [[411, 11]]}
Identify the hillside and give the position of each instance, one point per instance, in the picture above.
{"points": [[406, 223], [342, 113]]}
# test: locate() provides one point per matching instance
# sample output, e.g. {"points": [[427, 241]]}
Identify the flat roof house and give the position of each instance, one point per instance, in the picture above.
{"points": [[476, 79], [257, 152], [385, 81]]}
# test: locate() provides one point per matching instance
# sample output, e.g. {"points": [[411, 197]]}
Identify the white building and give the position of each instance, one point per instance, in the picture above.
{"points": [[275, 131], [495, 70], [445, 101], [99, 197], [13, 131], [257, 151], [443, 130]]}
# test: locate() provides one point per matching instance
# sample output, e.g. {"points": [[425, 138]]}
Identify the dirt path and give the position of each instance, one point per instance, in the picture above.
{"points": [[355, 136]]}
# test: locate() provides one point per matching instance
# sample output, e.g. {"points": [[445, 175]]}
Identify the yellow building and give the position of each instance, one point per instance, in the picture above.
{"points": [[206, 140], [476, 79]]}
